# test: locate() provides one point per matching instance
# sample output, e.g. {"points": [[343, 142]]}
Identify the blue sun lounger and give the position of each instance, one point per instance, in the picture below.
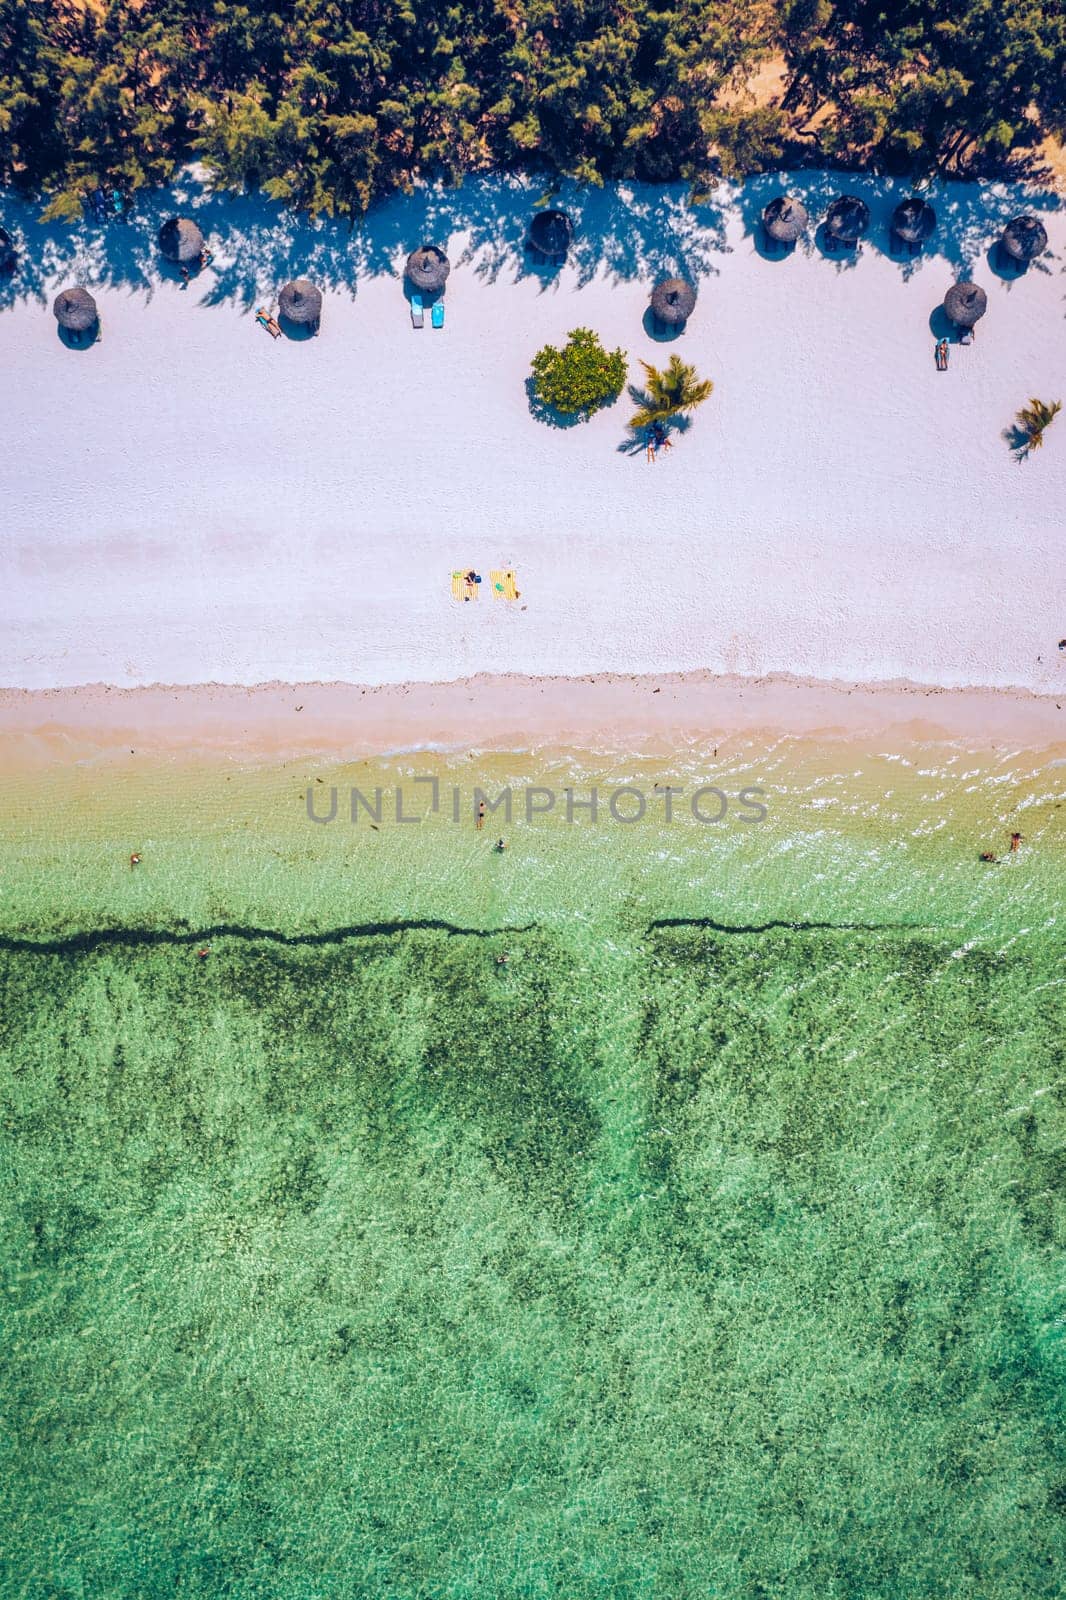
{"points": [[417, 317], [436, 314]]}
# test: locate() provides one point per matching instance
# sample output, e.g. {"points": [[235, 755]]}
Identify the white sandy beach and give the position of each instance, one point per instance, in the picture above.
{"points": [[191, 502]]}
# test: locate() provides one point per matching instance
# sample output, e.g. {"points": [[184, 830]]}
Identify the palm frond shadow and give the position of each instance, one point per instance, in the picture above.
{"points": [[1017, 441], [636, 439]]}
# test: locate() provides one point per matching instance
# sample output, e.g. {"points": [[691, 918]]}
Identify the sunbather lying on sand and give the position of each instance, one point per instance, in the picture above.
{"points": [[657, 439]]}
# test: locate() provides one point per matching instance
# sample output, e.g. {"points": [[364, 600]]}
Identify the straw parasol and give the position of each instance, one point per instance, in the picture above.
{"points": [[1024, 238], [75, 310], [785, 219], [847, 219], [913, 220], [550, 232], [428, 268], [180, 241], [965, 304], [300, 303], [673, 301]]}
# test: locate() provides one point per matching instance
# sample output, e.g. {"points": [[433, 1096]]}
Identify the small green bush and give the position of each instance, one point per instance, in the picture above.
{"points": [[581, 377]]}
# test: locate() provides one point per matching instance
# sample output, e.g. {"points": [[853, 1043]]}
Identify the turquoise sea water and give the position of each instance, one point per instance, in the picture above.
{"points": [[711, 1244]]}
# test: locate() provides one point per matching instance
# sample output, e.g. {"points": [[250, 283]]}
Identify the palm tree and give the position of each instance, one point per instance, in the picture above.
{"points": [[1033, 419], [668, 394]]}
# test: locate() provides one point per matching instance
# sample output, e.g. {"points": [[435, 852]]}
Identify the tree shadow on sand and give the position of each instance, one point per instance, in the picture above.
{"points": [[622, 232], [970, 216], [625, 232], [1017, 441]]}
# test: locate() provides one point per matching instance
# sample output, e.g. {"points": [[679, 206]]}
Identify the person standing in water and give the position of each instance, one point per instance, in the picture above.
{"points": [[480, 815]]}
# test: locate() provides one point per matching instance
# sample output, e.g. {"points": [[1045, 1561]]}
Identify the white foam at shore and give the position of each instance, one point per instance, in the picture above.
{"points": [[191, 501]]}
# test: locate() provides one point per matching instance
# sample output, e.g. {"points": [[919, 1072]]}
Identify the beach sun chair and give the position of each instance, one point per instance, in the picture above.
{"points": [[417, 313], [504, 583], [462, 588], [436, 315]]}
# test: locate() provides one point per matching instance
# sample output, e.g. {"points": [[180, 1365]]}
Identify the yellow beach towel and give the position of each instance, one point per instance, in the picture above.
{"points": [[504, 584], [461, 590]]}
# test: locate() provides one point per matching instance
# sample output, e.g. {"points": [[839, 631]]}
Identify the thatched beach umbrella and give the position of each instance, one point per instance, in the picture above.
{"points": [[428, 268], [673, 302], [75, 310], [965, 304], [1024, 238], [785, 219], [300, 303], [550, 232], [913, 220], [847, 219], [180, 241]]}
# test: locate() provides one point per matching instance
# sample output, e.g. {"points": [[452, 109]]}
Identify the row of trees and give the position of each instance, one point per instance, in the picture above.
{"points": [[328, 104]]}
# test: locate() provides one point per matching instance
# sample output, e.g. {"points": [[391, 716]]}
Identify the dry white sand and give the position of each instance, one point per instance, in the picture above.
{"points": [[189, 501]]}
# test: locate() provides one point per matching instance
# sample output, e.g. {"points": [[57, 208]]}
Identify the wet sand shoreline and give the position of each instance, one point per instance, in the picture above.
{"points": [[606, 713]]}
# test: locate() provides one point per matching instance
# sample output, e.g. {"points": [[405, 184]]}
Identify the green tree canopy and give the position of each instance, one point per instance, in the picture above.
{"points": [[580, 378], [329, 104]]}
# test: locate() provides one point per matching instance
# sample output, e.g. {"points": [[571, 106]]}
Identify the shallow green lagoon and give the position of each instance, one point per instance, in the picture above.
{"points": [[666, 1258]]}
